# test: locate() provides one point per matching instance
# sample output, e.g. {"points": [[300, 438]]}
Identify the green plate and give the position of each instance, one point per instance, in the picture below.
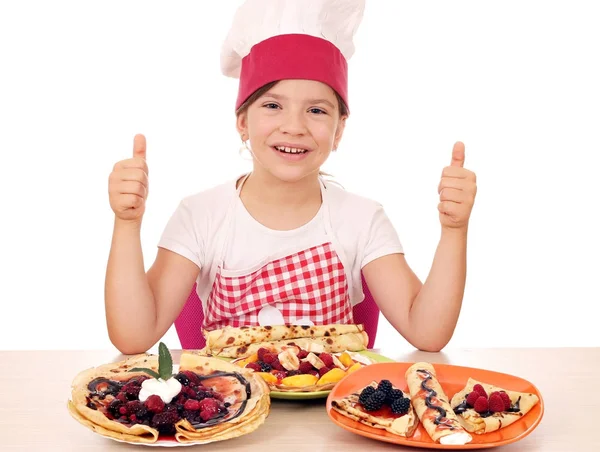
{"points": [[323, 394]]}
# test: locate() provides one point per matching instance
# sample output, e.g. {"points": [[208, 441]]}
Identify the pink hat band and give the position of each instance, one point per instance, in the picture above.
{"points": [[293, 56]]}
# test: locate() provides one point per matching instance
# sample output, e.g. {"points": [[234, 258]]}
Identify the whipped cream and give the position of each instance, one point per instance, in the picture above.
{"points": [[456, 439], [166, 390]]}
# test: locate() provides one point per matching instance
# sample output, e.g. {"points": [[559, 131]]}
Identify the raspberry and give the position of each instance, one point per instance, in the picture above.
{"points": [[254, 366], [365, 394], [327, 359], [269, 358], [472, 398], [478, 388], [154, 404], [401, 405], [122, 397], [481, 405], [302, 354], [123, 410], [394, 394], [323, 370], [192, 377], [262, 352], [375, 401], [496, 404], [314, 372], [189, 391], [277, 365], [506, 399], [305, 367], [385, 386], [191, 405], [133, 418], [206, 404]]}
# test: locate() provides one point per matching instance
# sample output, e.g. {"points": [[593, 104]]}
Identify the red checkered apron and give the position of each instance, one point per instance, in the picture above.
{"points": [[308, 284]]}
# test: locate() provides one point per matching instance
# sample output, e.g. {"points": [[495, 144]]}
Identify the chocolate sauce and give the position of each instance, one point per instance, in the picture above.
{"points": [[432, 393]]}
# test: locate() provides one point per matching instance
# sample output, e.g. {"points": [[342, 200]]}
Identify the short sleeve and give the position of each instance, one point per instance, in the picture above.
{"points": [[182, 236], [382, 239]]}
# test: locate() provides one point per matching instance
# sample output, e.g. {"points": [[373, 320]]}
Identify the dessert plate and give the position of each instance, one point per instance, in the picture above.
{"points": [[453, 379]]}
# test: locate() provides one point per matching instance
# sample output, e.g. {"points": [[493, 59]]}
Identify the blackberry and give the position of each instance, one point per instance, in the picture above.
{"points": [[264, 367], [400, 406], [165, 422], [394, 394], [365, 394], [385, 386], [375, 401], [183, 379]]}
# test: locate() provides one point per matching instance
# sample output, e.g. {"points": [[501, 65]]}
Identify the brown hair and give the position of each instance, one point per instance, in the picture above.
{"points": [[263, 89]]}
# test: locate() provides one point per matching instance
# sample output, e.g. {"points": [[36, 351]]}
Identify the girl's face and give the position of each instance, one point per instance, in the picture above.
{"points": [[292, 128]]}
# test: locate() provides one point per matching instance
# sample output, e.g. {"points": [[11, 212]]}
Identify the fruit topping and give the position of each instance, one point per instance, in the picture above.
{"points": [[300, 381], [305, 367], [333, 376], [365, 394], [385, 386], [375, 401], [255, 366], [400, 405], [327, 359], [288, 359], [496, 404], [314, 360], [393, 395], [154, 404], [264, 367], [472, 398], [505, 398], [481, 404], [479, 389]]}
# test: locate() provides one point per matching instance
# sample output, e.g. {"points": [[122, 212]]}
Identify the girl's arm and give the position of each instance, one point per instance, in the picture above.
{"points": [[426, 314], [141, 307]]}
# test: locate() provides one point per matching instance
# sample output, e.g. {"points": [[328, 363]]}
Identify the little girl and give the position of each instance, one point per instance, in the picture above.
{"points": [[281, 244]]}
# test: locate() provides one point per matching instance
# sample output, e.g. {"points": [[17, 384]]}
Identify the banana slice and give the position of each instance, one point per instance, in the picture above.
{"points": [[338, 363], [314, 360], [289, 360]]}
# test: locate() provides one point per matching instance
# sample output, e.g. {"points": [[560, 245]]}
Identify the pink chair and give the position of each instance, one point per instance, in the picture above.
{"points": [[189, 323]]}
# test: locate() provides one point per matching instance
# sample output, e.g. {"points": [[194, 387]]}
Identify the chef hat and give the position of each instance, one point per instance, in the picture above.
{"points": [[273, 40]]}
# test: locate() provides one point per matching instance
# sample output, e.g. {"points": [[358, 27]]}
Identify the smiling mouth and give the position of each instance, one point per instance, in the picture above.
{"points": [[286, 150]]}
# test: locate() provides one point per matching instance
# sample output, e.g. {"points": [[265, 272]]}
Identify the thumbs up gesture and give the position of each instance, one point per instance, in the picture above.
{"points": [[128, 184], [457, 191]]}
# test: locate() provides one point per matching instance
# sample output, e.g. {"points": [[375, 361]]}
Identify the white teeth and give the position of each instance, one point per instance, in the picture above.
{"points": [[290, 150]]}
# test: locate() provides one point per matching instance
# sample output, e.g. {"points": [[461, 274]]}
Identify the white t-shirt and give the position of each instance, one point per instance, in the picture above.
{"points": [[197, 228]]}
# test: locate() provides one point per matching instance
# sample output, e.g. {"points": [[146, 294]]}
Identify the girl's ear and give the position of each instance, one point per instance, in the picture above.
{"points": [[339, 132], [242, 125]]}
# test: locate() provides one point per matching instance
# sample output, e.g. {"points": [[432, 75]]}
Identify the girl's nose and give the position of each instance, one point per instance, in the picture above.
{"points": [[293, 123]]}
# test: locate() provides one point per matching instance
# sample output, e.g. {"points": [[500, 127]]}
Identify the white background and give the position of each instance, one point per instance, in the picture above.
{"points": [[517, 81]]}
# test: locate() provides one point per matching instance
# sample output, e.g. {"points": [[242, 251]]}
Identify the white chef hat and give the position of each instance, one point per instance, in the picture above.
{"points": [[273, 40]]}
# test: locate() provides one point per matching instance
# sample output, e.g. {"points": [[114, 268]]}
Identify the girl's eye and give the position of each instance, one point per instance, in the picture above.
{"points": [[271, 105], [317, 111]]}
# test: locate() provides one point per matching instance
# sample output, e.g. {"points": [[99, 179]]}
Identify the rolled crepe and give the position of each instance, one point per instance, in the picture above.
{"points": [[353, 342], [234, 336], [432, 406]]}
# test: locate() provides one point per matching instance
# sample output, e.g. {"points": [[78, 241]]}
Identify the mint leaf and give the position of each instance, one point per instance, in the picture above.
{"points": [[145, 369], [165, 362]]}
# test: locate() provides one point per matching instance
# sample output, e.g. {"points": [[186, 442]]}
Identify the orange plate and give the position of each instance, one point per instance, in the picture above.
{"points": [[452, 379]]}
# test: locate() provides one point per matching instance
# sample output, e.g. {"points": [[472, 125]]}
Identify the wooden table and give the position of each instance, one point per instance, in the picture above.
{"points": [[34, 387]]}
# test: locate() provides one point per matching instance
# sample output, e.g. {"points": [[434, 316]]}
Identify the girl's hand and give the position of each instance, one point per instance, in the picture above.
{"points": [[128, 184], [457, 191]]}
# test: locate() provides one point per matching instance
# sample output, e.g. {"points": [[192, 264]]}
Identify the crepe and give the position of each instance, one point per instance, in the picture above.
{"points": [[403, 426], [242, 342], [477, 423], [247, 393], [432, 406]]}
